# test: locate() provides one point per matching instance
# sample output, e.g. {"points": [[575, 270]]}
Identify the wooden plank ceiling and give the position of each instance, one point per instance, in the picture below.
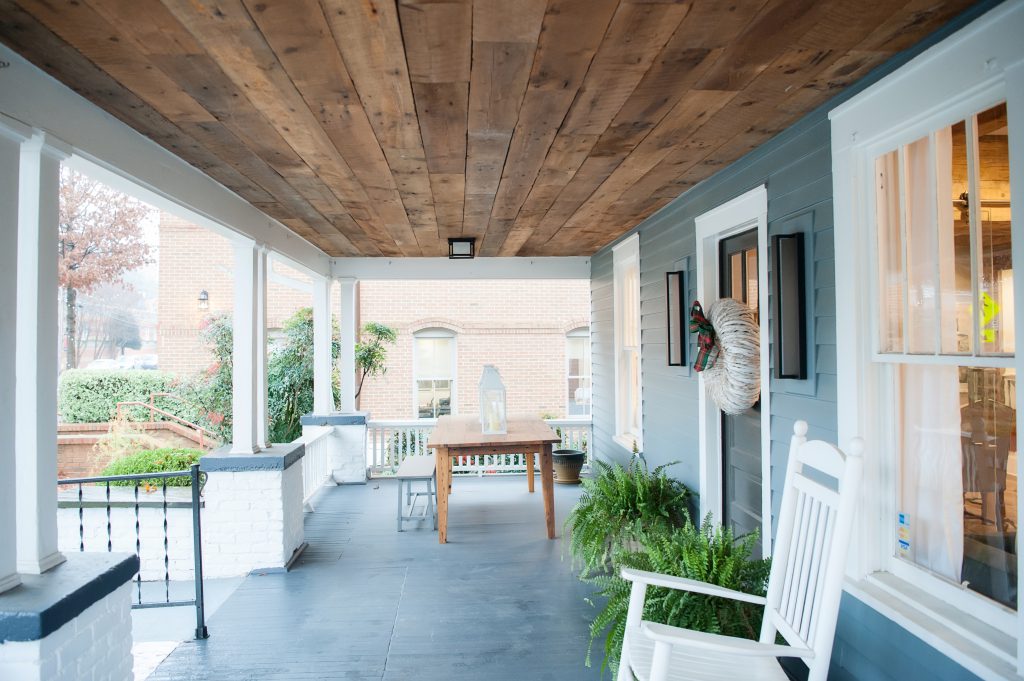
{"points": [[540, 127]]}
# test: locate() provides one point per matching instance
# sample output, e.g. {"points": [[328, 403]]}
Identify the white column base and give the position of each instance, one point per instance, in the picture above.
{"points": [[42, 565]]}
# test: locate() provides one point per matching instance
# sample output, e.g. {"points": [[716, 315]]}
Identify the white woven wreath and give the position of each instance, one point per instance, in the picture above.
{"points": [[734, 382]]}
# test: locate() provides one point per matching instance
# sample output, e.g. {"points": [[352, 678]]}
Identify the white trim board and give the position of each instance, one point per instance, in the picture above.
{"points": [[137, 165], [423, 269], [745, 212]]}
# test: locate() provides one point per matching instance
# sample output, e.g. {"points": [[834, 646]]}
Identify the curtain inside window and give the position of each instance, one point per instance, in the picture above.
{"points": [[932, 482]]}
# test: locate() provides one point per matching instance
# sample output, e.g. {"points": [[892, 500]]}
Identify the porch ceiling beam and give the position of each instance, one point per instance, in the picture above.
{"points": [[477, 268], [127, 160]]}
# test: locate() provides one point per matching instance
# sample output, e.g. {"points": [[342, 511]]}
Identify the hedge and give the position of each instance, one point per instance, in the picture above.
{"points": [[165, 460], [91, 396]]}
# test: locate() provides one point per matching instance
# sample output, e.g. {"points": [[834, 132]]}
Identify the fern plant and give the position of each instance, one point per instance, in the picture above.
{"points": [[708, 554], [617, 506]]}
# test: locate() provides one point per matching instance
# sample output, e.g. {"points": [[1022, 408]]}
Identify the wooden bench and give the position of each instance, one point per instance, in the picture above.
{"points": [[416, 469]]}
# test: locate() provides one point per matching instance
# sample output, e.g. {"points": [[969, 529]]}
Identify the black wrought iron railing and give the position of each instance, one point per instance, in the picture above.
{"points": [[163, 503]]}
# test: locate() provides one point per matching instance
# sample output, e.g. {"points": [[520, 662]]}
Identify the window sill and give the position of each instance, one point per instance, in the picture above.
{"points": [[980, 648], [626, 442]]}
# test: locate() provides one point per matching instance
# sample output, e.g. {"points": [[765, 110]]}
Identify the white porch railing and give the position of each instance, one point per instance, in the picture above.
{"points": [[389, 442], [316, 466]]}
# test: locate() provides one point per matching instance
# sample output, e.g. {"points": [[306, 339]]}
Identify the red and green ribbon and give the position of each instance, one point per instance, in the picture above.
{"points": [[707, 347]]}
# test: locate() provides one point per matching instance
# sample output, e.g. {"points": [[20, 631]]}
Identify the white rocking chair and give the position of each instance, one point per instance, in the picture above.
{"points": [[804, 586]]}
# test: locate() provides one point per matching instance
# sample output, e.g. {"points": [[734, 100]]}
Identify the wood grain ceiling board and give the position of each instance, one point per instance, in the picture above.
{"points": [[540, 127]]}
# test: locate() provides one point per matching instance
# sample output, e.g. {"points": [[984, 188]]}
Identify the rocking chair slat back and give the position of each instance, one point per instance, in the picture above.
{"points": [[815, 525]]}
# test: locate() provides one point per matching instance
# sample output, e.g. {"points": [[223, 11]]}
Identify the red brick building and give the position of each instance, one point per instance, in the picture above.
{"points": [[534, 331]]}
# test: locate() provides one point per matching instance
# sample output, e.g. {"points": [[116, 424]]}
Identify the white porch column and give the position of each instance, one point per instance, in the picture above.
{"points": [[245, 384], [36, 344], [349, 321], [262, 412], [323, 394], [10, 160]]}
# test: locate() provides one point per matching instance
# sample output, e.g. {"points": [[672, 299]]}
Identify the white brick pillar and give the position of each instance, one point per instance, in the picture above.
{"points": [[36, 344], [246, 358], [349, 323], [323, 362], [10, 161], [252, 517]]}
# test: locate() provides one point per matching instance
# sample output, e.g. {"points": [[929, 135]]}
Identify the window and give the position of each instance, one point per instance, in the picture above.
{"points": [[923, 163], [628, 400], [945, 283], [577, 371], [434, 373]]}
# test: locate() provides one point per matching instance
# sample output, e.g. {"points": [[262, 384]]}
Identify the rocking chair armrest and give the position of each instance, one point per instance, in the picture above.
{"points": [[719, 643], [691, 585]]}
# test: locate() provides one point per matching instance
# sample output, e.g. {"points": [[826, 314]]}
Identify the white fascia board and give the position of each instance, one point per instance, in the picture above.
{"points": [[118, 155], [475, 268]]}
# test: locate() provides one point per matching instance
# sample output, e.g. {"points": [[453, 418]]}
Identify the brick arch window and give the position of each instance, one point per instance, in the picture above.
{"points": [[577, 372], [433, 373]]}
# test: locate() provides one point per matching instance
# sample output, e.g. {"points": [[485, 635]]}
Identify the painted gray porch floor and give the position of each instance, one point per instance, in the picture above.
{"points": [[366, 602]]}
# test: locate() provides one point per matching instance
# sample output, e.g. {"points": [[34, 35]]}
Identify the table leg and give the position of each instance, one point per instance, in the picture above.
{"points": [[442, 462], [547, 480], [529, 470]]}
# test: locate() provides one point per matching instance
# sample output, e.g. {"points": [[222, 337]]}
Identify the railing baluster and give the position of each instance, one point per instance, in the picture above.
{"points": [[81, 520], [167, 562], [138, 542], [110, 546]]}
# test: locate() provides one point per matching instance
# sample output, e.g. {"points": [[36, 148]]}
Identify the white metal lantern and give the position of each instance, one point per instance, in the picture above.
{"points": [[492, 402]]}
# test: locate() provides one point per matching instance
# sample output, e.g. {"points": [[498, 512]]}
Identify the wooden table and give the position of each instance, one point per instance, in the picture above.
{"points": [[460, 436]]}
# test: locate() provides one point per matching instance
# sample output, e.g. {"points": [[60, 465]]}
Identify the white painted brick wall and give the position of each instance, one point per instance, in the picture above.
{"points": [[252, 519], [122, 529], [95, 646], [348, 453]]}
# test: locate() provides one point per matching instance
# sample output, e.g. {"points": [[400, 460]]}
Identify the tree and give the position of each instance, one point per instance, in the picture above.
{"points": [[99, 240], [372, 354]]}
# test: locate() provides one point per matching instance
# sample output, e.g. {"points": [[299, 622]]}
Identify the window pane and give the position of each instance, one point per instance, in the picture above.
{"points": [[736, 274], [954, 238], [958, 491], [996, 305], [890, 252], [751, 271], [579, 397], [922, 248], [433, 357]]}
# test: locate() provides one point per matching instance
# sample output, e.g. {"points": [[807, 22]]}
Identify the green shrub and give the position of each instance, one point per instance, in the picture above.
{"points": [[707, 554], [155, 461], [91, 396], [618, 505]]}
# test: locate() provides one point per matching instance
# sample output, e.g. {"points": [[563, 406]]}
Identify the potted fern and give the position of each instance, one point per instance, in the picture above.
{"points": [[618, 506], [708, 554]]}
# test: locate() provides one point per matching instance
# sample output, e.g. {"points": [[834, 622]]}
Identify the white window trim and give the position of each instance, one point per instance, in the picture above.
{"points": [[622, 253], [743, 213], [578, 332], [972, 70], [435, 333]]}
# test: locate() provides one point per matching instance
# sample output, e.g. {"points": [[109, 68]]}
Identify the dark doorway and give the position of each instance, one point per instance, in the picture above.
{"points": [[741, 433]]}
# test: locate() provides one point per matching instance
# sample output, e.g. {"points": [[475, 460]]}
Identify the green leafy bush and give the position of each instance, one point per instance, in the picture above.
{"points": [[618, 506], [91, 396], [155, 461], [707, 554]]}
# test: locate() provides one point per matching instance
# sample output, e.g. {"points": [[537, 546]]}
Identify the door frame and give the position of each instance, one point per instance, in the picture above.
{"points": [[743, 213]]}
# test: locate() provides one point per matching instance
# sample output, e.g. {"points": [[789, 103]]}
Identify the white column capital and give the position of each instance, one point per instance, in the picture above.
{"points": [[46, 144]]}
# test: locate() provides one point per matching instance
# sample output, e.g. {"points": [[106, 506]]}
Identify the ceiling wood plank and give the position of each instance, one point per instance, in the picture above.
{"points": [[505, 38], [570, 35], [370, 39], [438, 43], [634, 38], [235, 43]]}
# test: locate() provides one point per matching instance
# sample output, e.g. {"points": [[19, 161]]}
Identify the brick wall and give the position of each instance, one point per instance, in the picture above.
{"points": [[193, 259], [519, 326]]}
